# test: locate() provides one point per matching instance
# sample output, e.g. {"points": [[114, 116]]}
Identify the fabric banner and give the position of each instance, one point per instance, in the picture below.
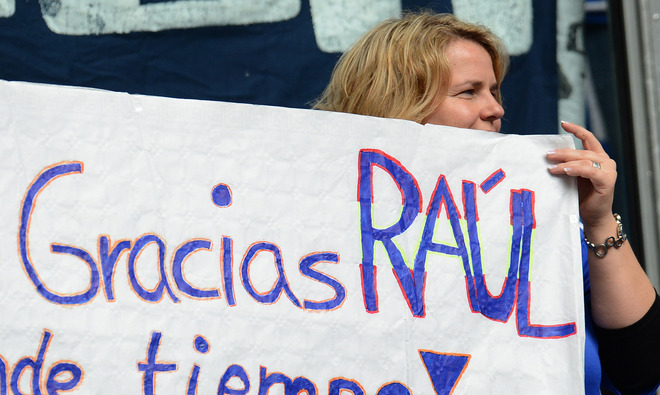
{"points": [[168, 246], [275, 52]]}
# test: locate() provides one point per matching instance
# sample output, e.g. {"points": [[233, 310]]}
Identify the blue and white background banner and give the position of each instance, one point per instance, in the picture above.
{"points": [[262, 52]]}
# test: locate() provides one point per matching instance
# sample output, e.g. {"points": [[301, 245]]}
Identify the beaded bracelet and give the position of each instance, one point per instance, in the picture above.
{"points": [[601, 249]]}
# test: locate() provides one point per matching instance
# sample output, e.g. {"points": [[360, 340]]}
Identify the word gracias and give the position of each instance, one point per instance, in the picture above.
{"points": [[109, 256]]}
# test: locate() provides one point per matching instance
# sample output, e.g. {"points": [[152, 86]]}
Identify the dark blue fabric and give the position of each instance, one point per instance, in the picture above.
{"points": [[592, 368], [275, 63], [594, 377], [530, 89]]}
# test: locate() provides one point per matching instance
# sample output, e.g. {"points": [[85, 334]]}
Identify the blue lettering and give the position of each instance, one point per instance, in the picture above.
{"points": [[522, 204], [394, 389], [40, 182], [337, 386], [93, 283], [445, 370], [227, 269], [3, 377], [53, 386], [442, 197], [516, 286], [157, 293], [238, 372], [412, 205], [498, 308], [34, 364], [151, 367], [177, 269], [108, 258], [280, 285], [306, 268], [291, 387], [192, 381]]}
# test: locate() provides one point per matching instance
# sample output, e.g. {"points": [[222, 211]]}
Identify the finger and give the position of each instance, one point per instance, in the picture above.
{"points": [[569, 155], [601, 180], [589, 141]]}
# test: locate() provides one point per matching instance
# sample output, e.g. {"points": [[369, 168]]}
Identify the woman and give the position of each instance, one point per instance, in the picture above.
{"points": [[436, 69]]}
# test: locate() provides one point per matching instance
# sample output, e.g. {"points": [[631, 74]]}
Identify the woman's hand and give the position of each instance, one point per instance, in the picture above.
{"points": [[596, 173], [621, 293]]}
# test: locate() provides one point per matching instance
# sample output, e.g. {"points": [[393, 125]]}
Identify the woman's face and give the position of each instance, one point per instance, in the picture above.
{"points": [[471, 101]]}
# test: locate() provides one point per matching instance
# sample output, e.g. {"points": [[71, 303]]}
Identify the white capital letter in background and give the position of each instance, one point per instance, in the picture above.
{"points": [[7, 8], [339, 23], [84, 17], [511, 20]]}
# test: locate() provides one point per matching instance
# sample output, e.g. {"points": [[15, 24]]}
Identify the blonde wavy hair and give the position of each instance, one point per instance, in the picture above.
{"points": [[400, 67]]}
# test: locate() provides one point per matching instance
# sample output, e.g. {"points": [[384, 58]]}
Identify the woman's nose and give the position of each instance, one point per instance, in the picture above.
{"points": [[493, 110]]}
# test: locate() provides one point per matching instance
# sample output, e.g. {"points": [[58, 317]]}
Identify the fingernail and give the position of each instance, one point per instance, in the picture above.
{"points": [[567, 170], [551, 152], [552, 167], [563, 122]]}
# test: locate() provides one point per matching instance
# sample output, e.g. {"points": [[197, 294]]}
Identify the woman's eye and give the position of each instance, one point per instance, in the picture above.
{"points": [[467, 92]]}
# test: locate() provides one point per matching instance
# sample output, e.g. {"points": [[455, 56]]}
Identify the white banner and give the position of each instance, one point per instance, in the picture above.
{"points": [[161, 246]]}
